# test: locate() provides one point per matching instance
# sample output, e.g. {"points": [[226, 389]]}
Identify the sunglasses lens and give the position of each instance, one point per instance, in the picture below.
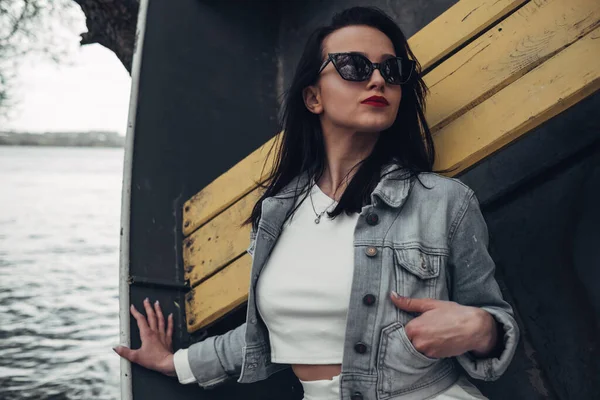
{"points": [[355, 67], [352, 67], [397, 70]]}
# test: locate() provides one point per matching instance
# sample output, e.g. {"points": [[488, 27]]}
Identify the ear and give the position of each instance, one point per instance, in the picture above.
{"points": [[312, 99]]}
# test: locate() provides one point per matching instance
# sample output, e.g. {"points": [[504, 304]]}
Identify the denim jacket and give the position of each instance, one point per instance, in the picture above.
{"points": [[421, 243]]}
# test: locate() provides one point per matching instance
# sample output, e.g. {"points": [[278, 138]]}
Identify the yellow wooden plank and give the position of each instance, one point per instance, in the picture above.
{"points": [[459, 24], [218, 295], [219, 241], [515, 46], [551, 88], [228, 188]]}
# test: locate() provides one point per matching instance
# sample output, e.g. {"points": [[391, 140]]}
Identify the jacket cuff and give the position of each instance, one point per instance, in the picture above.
{"points": [[182, 367], [491, 368], [205, 364]]}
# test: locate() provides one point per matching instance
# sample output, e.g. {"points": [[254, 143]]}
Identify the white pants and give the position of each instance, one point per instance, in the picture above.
{"points": [[329, 389]]}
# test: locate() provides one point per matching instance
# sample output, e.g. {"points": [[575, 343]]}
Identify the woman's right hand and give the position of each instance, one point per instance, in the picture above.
{"points": [[156, 352]]}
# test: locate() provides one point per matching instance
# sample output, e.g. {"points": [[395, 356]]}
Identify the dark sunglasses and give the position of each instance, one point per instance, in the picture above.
{"points": [[356, 67]]}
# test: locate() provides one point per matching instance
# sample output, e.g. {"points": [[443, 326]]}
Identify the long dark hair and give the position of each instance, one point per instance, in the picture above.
{"points": [[300, 147]]}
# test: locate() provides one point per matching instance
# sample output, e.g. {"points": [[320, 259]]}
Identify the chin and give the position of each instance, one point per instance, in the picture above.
{"points": [[375, 126]]}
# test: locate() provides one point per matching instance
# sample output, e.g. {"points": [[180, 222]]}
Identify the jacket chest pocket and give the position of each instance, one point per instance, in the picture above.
{"points": [[417, 271]]}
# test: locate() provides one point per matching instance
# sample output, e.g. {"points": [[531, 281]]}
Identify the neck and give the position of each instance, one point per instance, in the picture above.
{"points": [[344, 149]]}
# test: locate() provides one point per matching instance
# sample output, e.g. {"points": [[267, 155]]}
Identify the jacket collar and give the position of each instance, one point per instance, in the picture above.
{"points": [[392, 189]]}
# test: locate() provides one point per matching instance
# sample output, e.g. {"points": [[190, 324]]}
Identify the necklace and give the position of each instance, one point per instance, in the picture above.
{"points": [[319, 215]]}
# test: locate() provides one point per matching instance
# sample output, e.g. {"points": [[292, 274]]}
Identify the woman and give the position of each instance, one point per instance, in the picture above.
{"points": [[374, 271]]}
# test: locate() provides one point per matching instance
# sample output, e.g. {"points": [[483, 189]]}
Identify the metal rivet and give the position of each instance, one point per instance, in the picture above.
{"points": [[360, 348], [372, 219], [371, 251], [369, 299]]}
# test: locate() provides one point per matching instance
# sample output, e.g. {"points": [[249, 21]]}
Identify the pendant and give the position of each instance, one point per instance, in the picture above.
{"points": [[318, 219]]}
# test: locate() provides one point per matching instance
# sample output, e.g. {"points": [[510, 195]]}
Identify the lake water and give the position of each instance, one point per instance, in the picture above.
{"points": [[59, 261]]}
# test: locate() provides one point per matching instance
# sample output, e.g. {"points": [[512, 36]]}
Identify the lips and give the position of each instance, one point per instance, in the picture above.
{"points": [[376, 100]]}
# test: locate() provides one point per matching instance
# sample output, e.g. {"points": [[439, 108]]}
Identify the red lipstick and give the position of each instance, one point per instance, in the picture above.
{"points": [[377, 101]]}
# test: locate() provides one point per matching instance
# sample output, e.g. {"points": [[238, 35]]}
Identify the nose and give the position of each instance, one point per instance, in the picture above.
{"points": [[376, 80]]}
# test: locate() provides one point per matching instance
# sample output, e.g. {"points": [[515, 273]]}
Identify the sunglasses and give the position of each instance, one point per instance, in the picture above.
{"points": [[356, 67]]}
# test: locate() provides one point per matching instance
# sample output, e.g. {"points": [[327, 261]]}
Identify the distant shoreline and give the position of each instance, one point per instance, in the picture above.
{"points": [[97, 139], [83, 146]]}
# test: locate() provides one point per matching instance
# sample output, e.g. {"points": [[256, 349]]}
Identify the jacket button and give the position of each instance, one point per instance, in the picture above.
{"points": [[369, 300], [360, 348], [372, 219], [371, 251], [356, 396]]}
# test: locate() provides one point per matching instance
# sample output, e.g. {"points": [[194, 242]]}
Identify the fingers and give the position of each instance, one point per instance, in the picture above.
{"points": [[155, 322], [409, 330], [151, 316], [141, 321], [170, 332], [160, 318], [414, 305], [126, 353]]}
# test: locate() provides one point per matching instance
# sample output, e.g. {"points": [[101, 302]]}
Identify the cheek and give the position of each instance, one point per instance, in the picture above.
{"points": [[397, 97], [340, 101]]}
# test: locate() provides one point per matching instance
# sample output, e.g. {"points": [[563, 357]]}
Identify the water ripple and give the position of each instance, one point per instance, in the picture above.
{"points": [[59, 237]]}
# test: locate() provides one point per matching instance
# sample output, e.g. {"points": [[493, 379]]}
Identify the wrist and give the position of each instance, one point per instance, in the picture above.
{"points": [[487, 334], [168, 366]]}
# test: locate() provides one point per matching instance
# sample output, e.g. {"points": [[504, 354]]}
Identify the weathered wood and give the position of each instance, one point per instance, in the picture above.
{"points": [[218, 295], [457, 26], [544, 92], [527, 38], [229, 187], [219, 241]]}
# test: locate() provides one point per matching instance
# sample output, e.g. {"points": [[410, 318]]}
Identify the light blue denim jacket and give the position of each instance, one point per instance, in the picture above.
{"points": [[428, 244]]}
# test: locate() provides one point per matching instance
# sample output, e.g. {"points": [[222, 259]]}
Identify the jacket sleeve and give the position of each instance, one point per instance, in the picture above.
{"points": [[218, 358], [473, 284]]}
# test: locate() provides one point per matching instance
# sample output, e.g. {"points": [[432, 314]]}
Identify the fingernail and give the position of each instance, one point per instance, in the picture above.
{"points": [[146, 300], [171, 315], [395, 295], [115, 350], [156, 303]]}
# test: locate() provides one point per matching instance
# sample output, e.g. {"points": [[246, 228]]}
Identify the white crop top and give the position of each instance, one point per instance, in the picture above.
{"points": [[303, 291]]}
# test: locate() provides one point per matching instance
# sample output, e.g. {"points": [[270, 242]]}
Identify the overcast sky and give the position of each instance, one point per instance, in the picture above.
{"points": [[90, 91]]}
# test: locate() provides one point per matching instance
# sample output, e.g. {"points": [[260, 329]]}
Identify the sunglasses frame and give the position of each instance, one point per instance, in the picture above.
{"points": [[374, 66]]}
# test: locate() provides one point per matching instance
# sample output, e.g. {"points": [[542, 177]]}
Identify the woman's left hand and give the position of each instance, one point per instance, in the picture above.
{"points": [[448, 329]]}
